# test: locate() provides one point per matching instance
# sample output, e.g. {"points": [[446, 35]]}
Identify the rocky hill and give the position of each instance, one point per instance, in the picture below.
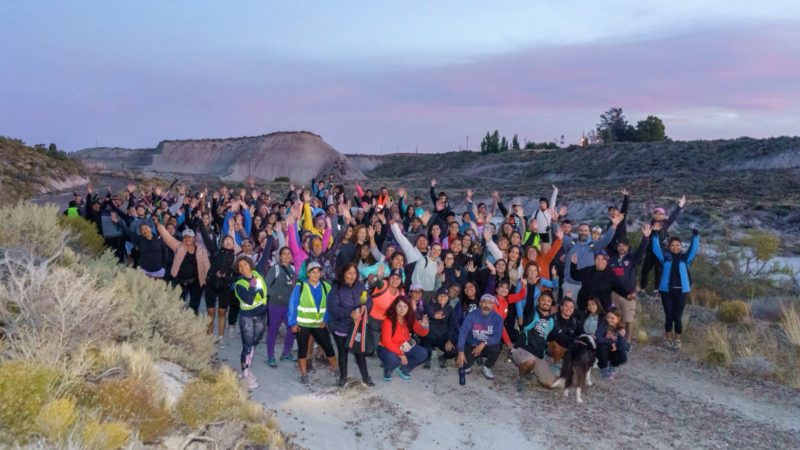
{"points": [[296, 155], [27, 171]]}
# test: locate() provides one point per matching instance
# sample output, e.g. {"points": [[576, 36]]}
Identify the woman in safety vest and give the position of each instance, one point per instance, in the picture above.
{"points": [[251, 291], [308, 316]]}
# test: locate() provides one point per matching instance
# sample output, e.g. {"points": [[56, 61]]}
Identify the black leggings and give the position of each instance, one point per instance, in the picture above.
{"points": [[321, 337], [361, 359], [431, 342], [605, 356], [650, 263], [195, 294], [673, 302], [233, 312]]}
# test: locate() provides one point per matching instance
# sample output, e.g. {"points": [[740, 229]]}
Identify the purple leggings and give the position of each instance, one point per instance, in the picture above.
{"points": [[277, 315]]}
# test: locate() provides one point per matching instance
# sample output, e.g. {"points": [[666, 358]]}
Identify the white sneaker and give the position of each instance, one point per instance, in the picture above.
{"points": [[487, 372], [250, 379]]}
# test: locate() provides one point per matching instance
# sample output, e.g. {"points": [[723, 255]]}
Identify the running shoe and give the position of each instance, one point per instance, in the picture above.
{"points": [[305, 380], [487, 372], [402, 374], [442, 362], [271, 362], [289, 357]]}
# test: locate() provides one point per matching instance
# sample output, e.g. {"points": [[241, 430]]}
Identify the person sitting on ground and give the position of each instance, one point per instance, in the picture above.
{"points": [[529, 350], [480, 336], [611, 344], [398, 351], [308, 317], [675, 283], [442, 330]]}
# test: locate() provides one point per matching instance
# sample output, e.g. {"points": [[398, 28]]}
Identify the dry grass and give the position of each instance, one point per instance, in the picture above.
{"points": [[791, 326], [717, 343]]}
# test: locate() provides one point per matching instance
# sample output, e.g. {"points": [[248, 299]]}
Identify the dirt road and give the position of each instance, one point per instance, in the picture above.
{"points": [[659, 400]]}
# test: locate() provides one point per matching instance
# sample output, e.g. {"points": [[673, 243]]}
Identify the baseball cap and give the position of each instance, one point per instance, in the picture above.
{"points": [[597, 229], [659, 210], [415, 287], [313, 265], [187, 232], [397, 273], [441, 291], [489, 297]]}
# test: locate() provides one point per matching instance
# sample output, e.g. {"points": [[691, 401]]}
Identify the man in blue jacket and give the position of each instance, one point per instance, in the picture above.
{"points": [[480, 336]]}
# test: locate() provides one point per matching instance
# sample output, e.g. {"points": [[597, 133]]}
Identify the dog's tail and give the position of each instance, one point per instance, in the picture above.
{"points": [[567, 369]]}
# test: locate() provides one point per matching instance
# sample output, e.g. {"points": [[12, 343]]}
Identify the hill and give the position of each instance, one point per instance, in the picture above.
{"points": [[27, 171], [297, 155]]}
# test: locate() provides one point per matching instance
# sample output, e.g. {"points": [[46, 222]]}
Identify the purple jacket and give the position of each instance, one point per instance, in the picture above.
{"points": [[342, 300]]}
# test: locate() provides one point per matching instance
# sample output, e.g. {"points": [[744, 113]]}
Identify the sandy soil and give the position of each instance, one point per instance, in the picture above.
{"points": [[659, 400]]}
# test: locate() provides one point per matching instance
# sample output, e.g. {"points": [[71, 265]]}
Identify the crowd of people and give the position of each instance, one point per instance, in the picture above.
{"points": [[381, 274]]}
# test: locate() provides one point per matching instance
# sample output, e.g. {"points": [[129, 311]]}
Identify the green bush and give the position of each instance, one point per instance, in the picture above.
{"points": [[204, 401], [132, 401], [56, 419], [716, 342], [88, 239], [105, 436], [25, 388], [734, 311], [35, 228]]}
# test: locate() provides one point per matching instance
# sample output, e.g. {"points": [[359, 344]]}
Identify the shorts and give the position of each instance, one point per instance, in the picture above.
{"points": [[541, 369], [626, 307], [571, 290], [544, 238]]}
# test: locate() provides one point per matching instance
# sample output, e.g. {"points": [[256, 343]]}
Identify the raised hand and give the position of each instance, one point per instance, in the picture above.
{"points": [[574, 258], [371, 232], [471, 267], [559, 234], [646, 230], [562, 211], [131, 188], [626, 192], [401, 192], [487, 234], [469, 194], [426, 216], [496, 196], [657, 226], [89, 188], [114, 217], [433, 182], [682, 201], [491, 267]]}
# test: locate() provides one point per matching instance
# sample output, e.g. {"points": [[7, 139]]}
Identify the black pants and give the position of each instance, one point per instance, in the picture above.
{"points": [[431, 342], [218, 298], [490, 353], [673, 303], [605, 356], [117, 244], [361, 359], [195, 294], [510, 323], [650, 263], [321, 337], [233, 312]]}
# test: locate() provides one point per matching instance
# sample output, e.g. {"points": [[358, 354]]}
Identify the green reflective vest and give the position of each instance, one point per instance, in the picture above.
{"points": [[72, 212], [307, 313], [261, 296]]}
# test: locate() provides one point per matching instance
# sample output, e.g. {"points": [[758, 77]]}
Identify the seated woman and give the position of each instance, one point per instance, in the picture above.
{"points": [[398, 351]]}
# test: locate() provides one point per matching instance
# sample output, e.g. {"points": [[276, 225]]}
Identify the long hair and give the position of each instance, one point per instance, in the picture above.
{"points": [[464, 302], [391, 313], [354, 236], [340, 274]]}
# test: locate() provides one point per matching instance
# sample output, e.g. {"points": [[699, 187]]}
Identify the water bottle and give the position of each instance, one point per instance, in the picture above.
{"points": [[462, 375]]}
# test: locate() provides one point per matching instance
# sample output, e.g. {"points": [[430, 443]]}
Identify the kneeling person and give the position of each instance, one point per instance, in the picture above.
{"points": [[480, 336], [529, 351]]}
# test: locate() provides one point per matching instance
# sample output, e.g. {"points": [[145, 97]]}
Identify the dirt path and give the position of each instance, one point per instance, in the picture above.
{"points": [[659, 400]]}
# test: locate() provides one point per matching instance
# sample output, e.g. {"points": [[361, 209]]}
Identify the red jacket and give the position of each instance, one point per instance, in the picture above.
{"points": [[501, 307], [392, 342]]}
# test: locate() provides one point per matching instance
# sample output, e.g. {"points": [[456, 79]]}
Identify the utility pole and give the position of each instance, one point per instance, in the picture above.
{"points": [[467, 143]]}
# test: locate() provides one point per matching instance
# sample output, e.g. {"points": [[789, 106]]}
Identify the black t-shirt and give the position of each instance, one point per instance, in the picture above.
{"points": [[188, 269]]}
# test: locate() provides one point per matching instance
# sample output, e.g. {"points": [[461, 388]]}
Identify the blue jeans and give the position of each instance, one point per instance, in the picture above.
{"points": [[416, 356]]}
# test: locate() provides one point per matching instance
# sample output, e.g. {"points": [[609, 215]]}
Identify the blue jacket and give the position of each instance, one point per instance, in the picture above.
{"points": [[684, 259], [478, 328], [342, 301], [294, 302]]}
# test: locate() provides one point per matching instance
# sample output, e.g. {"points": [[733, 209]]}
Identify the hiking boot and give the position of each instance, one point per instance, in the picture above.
{"points": [[402, 374], [271, 362], [676, 346], [342, 382], [427, 364], [668, 344], [305, 380], [520, 384], [368, 382], [289, 357], [487, 372], [442, 362]]}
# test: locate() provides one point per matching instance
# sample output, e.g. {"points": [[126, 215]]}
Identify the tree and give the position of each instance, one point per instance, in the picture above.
{"points": [[613, 127], [491, 143], [515, 143], [650, 129], [503, 145]]}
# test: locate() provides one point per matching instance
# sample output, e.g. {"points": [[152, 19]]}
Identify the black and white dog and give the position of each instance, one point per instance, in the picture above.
{"points": [[577, 365]]}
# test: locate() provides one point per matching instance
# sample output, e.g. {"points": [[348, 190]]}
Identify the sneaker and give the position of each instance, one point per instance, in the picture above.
{"points": [[387, 376], [402, 374], [231, 332], [520, 384], [442, 362], [612, 373], [479, 361], [605, 373], [289, 357], [305, 380], [427, 364], [342, 382], [468, 370], [368, 382], [676, 346], [271, 362], [220, 341], [668, 344], [487, 372], [251, 383]]}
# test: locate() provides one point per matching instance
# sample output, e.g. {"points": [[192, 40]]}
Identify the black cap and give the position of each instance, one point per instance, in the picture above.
{"points": [[441, 291], [397, 272]]}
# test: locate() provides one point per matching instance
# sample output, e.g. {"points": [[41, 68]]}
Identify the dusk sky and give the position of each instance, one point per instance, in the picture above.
{"points": [[374, 77]]}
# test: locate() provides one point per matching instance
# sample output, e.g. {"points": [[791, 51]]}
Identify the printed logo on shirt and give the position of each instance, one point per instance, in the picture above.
{"points": [[482, 332]]}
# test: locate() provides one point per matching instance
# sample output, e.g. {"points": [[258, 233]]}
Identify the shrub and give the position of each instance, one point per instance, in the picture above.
{"points": [[717, 345], [105, 436], [88, 239], [791, 326], [282, 179], [205, 401], [734, 311], [25, 387], [34, 228], [705, 297], [132, 401], [757, 365], [260, 434], [55, 420]]}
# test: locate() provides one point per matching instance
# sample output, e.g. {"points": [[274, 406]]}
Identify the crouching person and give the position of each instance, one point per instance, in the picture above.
{"points": [[480, 336], [529, 351], [612, 346], [442, 333], [398, 350]]}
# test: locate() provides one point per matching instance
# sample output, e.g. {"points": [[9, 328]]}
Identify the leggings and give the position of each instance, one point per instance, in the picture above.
{"points": [[252, 330], [361, 359], [277, 316], [431, 342], [605, 356], [321, 337], [195, 294], [233, 312], [673, 302], [650, 263]]}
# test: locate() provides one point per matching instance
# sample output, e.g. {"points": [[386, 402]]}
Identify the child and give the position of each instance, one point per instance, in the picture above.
{"points": [[593, 317], [611, 344], [442, 332]]}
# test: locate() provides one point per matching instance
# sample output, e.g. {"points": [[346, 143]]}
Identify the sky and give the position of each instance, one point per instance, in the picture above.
{"points": [[380, 77]]}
